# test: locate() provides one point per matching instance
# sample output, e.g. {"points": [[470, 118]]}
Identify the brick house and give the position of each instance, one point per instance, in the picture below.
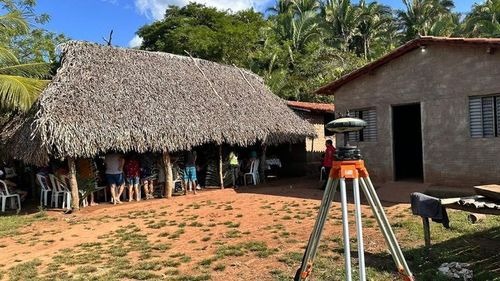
{"points": [[318, 114], [433, 111]]}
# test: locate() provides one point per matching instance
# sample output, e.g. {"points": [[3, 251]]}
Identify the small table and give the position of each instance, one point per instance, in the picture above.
{"points": [[473, 204]]}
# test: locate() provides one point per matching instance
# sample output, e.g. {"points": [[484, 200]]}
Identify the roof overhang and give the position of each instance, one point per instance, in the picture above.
{"points": [[489, 43]]}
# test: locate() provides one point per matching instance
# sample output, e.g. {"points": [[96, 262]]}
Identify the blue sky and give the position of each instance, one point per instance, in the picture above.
{"points": [[93, 19]]}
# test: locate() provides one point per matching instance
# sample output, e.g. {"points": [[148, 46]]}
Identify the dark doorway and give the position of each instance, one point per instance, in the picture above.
{"points": [[407, 140]]}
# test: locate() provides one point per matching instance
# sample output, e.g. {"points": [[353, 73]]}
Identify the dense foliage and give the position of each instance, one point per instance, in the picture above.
{"points": [[26, 54], [299, 45]]}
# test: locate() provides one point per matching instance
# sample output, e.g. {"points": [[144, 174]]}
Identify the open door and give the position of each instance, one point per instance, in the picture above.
{"points": [[407, 143]]}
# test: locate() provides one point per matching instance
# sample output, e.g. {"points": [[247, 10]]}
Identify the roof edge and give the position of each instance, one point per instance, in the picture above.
{"points": [[331, 87]]}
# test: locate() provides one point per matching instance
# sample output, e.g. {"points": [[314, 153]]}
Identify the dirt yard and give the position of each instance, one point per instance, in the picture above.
{"points": [[255, 233]]}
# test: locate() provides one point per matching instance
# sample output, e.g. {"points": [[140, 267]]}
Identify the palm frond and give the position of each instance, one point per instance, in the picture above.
{"points": [[7, 57], [13, 23], [18, 92], [31, 70]]}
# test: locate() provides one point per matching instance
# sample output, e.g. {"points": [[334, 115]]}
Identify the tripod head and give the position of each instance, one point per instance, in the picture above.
{"points": [[344, 125]]}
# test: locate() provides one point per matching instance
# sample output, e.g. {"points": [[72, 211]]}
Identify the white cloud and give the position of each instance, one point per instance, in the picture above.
{"points": [[155, 9], [135, 42]]}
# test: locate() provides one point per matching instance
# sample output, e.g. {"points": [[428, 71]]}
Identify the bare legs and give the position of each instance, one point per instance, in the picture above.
{"points": [[116, 193], [131, 189], [148, 188], [189, 185]]}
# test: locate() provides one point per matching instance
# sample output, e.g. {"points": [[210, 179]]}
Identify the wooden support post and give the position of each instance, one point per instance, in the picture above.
{"points": [[427, 231], [221, 173], [75, 195], [169, 181], [263, 164]]}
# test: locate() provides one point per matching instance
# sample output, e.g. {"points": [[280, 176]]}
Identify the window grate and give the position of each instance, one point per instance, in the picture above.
{"points": [[484, 114], [370, 132]]}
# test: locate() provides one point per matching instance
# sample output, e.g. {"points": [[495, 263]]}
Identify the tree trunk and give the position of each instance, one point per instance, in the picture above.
{"points": [[221, 174], [169, 181], [75, 195]]}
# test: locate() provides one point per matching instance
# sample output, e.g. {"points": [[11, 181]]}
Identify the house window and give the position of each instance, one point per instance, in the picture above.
{"points": [[484, 112], [370, 132]]}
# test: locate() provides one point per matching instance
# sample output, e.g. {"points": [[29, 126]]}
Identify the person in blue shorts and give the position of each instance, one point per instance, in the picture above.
{"points": [[114, 175], [190, 180]]}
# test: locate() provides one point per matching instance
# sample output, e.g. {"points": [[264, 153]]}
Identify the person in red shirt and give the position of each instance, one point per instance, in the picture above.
{"points": [[328, 159], [132, 173]]}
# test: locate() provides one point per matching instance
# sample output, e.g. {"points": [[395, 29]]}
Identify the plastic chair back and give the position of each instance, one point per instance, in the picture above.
{"points": [[42, 180]]}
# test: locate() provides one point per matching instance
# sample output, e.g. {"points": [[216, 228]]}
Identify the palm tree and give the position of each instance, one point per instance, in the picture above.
{"points": [[342, 20], [20, 83], [427, 17], [375, 22], [483, 21]]}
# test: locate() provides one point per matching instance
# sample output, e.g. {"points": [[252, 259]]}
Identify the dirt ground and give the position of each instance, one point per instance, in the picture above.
{"points": [[279, 215]]}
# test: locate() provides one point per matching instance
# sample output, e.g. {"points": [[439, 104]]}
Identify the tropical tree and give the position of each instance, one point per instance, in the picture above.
{"points": [[20, 83], [483, 21], [342, 21], [375, 25], [205, 33], [427, 17]]}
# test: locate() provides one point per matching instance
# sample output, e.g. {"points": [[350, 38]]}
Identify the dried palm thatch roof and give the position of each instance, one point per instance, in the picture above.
{"points": [[105, 98]]}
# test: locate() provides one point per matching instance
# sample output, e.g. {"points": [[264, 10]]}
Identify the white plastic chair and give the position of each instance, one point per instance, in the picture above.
{"points": [[253, 174], [44, 189], [59, 189], [4, 195]]}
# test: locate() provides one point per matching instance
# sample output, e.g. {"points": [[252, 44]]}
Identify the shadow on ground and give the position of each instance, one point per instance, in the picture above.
{"points": [[301, 188], [480, 249]]}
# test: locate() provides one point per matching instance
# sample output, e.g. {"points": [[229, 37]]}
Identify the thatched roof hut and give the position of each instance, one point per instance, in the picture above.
{"points": [[105, 98]]}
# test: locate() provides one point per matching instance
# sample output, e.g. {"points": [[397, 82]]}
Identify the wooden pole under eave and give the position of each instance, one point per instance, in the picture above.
{"points": [[263, 164], [169, 181], [73, 184], [221, 174]]}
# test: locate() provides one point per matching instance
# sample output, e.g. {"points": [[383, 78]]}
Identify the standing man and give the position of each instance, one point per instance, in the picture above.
{"points": [[328, 159], [190, 172], [114, 175]]}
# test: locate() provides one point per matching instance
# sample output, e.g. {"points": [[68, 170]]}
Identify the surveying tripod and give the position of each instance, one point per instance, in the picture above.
{"points": [[349, 166]]}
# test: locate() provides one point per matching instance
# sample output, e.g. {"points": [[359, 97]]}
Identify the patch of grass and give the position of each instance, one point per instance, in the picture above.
{"points": [[207, 262], [176, 234], [157, 225], [10, 225], [139, 275], [163, 234], [86, 269], [25, 271], [291, 258], [149, 265], [171, 263], [231, 224], [161, 247], [196, 224], [259, 248], [202, 277], [233, 233], [205, 239]]}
